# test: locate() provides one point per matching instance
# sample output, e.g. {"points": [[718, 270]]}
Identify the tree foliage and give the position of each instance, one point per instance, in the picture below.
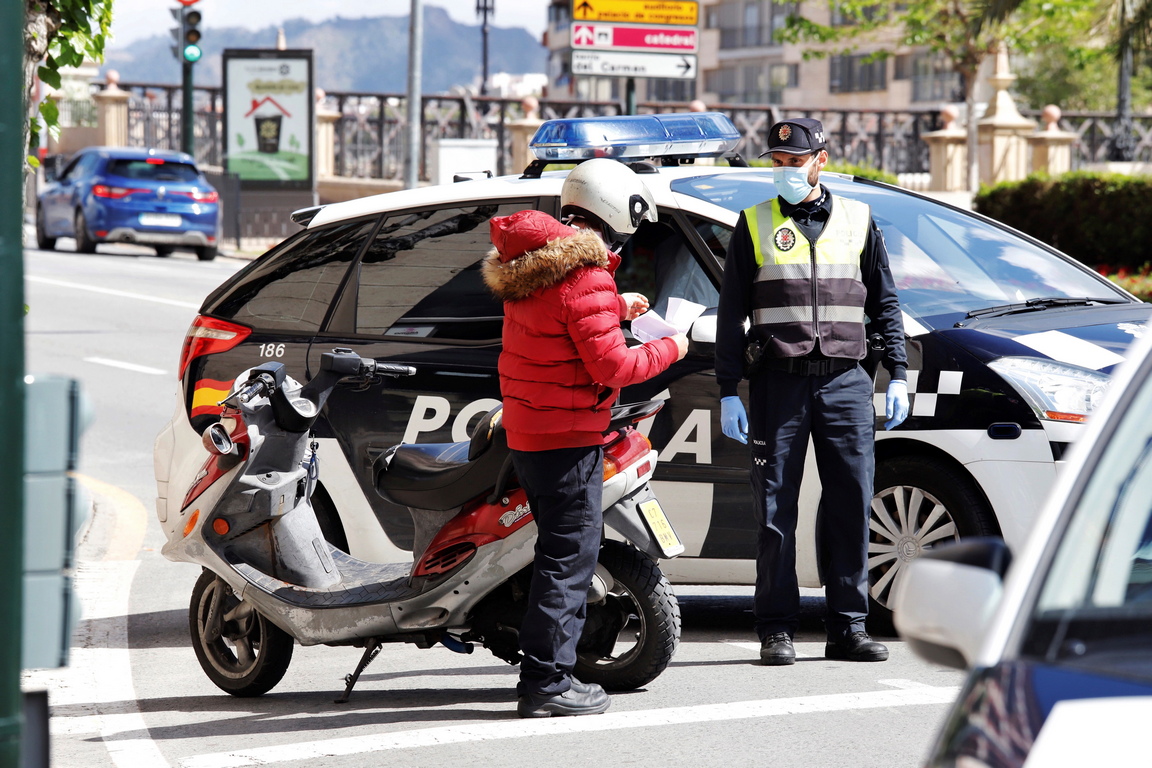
{"points": [[57, 34], [964, 32]]}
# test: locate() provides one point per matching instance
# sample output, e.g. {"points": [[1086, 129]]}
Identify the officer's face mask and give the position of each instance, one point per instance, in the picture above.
{"points": [[792, 183]]}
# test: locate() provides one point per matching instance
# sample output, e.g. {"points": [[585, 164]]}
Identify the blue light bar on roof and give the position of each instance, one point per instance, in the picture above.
{"points": [[682, 134]]}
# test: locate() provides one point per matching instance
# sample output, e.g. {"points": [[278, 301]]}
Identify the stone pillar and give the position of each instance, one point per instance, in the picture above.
{"points": [[1052, 147], [948, 154], [522, 132], [325, 145], [112, 113], [1003, 131]]}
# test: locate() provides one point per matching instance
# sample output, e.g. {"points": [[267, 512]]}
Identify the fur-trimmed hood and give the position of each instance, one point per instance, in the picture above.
{"points": [[534, 251]]}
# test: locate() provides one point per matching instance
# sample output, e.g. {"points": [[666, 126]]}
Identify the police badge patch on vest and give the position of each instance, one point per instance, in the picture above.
{"points": [[785, 239]]}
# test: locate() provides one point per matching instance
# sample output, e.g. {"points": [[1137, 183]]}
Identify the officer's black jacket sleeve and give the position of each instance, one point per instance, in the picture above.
{"points": [[882, 304], [735, 304]]}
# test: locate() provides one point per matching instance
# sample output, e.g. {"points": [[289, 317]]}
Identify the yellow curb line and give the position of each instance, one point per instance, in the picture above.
{"points": [[130, 518]]}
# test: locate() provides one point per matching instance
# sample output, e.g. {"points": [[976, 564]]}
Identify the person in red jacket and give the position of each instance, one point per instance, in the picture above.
{"points": [[563, 363]]}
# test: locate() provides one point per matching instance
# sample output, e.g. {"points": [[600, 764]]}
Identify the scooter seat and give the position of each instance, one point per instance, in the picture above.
{"points": [[439, 476]]}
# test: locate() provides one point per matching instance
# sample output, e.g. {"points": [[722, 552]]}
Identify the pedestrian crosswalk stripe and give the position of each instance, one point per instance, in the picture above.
{"points": [[905, 693]]}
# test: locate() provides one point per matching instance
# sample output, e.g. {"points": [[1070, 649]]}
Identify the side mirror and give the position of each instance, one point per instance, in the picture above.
{"points": [[702, 334], [943, 602], [52, 165]]}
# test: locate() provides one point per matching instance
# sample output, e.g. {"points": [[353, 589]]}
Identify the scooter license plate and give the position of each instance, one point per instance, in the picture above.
{"points": [[661, 529]]}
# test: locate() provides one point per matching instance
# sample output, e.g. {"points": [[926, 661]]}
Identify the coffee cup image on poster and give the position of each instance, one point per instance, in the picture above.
{"points": [[269, 119]]}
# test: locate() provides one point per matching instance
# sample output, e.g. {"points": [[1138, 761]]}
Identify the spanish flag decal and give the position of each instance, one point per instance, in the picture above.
{"points": [[207, 394]]}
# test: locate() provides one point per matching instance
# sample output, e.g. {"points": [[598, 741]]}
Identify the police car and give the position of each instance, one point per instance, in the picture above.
{"points": [[1011, 345]]}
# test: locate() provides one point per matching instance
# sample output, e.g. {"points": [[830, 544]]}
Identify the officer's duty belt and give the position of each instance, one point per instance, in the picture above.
{"points": [[808, 366]]}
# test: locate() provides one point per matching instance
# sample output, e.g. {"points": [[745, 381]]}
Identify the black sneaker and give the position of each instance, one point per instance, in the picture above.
{"points": [[857, 646], [776, 650], [580, 699]]}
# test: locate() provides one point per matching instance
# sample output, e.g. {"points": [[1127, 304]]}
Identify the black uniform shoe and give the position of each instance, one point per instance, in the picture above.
{"points": [[857, 646], [776, 650], [580, 699]]}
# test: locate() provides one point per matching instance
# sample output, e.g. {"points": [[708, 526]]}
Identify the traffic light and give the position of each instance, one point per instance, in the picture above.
{"points": [[55, 508], [191, 50], [177, 32]]}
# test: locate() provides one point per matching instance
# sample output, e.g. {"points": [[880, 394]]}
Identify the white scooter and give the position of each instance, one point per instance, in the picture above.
{"points": [[271, 579]]}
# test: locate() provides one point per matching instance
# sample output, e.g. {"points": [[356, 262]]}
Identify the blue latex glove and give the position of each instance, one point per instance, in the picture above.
{"points": [[733, 419], [896, 404]]}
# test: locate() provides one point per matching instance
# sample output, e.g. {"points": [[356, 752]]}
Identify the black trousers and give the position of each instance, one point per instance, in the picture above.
{"points": [[565, 488], [836, 412]]}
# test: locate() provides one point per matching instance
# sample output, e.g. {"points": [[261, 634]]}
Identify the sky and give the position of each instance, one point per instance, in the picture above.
{"points": [[136, 19]]}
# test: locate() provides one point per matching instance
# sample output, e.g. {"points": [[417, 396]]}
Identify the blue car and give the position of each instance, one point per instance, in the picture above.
{"points": [[149, 197]]}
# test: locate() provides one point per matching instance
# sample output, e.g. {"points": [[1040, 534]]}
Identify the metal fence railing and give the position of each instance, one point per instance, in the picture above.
{"points": [[371, 134]]}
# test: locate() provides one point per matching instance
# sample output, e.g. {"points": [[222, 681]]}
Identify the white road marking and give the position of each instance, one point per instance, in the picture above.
{"points": [[100, 670], [909, 695], [126, 366], [111, 292], [98, 680]]}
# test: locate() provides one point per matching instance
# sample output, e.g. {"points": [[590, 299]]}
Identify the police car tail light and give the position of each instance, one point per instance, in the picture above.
{"points": [[624, 452], [1056, 391], [694, 134], [207, 336]]}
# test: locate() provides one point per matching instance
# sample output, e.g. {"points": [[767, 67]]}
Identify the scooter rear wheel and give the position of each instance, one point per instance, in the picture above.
{"points": [[631, 635], [243, 653]]}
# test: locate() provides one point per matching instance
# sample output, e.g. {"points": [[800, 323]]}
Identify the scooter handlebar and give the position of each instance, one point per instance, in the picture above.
{"points": [[388, 369]]}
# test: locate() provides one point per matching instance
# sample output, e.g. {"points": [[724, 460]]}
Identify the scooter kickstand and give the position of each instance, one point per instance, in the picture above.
{"points": [[371, 651]]}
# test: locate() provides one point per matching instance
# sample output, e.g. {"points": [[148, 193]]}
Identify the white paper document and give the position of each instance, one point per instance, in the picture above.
{"points": [[681, 315]]}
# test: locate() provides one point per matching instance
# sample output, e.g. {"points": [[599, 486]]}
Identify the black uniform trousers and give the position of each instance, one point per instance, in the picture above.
{"points": [[565, 489], [836, 411]]}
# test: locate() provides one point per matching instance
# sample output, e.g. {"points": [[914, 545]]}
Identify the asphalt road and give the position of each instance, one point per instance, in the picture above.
{"points": [[135, 697]]}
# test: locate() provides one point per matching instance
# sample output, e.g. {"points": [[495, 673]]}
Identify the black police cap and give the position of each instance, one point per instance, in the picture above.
{"points": [[798, 136]]}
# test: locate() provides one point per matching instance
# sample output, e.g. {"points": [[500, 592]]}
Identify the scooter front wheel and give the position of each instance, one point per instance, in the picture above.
{"points": [[632, 633], [242, 652]]}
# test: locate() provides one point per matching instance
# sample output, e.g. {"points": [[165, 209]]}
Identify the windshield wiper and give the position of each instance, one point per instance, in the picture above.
{"points": [[1035, 305]]}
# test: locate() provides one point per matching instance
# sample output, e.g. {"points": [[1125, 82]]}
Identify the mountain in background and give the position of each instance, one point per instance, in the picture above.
{"points": [[367, 55]]}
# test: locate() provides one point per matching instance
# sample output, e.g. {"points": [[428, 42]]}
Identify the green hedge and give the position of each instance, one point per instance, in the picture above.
{"points": [[1104, 220]]}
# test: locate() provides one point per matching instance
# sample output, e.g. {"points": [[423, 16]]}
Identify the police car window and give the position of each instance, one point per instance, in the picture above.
{"points": [[291, 289], [945, 262], [658, 262], [420, 277], [1095, 604], [716, 236]]}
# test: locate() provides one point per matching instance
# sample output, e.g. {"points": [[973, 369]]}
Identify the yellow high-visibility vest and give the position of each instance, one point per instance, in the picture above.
{"points": [[803, 291]]}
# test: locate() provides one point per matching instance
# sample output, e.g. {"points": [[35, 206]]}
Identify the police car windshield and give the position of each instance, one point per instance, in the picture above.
{"points": [[946, 262]]}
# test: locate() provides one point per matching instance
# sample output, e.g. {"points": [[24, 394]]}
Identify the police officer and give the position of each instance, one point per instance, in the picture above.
{"points": [[806, 269]]}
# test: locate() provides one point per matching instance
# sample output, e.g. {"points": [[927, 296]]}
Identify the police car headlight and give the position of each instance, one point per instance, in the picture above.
{"points": [[1056, 391]]}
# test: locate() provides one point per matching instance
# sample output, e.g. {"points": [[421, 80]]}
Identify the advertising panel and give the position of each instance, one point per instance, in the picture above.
{"points": [[268, 118]]}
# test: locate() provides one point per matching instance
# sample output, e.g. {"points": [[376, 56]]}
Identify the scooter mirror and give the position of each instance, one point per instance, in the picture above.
{"points": [[217, 441]]}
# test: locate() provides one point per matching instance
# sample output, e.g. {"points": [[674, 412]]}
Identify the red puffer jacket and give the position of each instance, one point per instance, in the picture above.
{"points": [[564, 355]]}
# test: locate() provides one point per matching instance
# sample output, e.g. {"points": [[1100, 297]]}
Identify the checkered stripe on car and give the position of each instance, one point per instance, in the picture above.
{"points": [[923, 402]]}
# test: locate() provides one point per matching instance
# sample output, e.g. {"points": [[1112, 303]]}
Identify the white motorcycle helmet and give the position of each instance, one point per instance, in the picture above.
{"points": [[610, 195]]}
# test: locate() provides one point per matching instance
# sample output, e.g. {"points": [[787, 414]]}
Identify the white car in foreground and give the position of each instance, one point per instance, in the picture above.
{"points": [[1061, 650]]}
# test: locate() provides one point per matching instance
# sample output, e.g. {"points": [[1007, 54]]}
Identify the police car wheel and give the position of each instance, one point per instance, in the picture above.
{"points": [[632, 633], [919, 502], [242, 653]]}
